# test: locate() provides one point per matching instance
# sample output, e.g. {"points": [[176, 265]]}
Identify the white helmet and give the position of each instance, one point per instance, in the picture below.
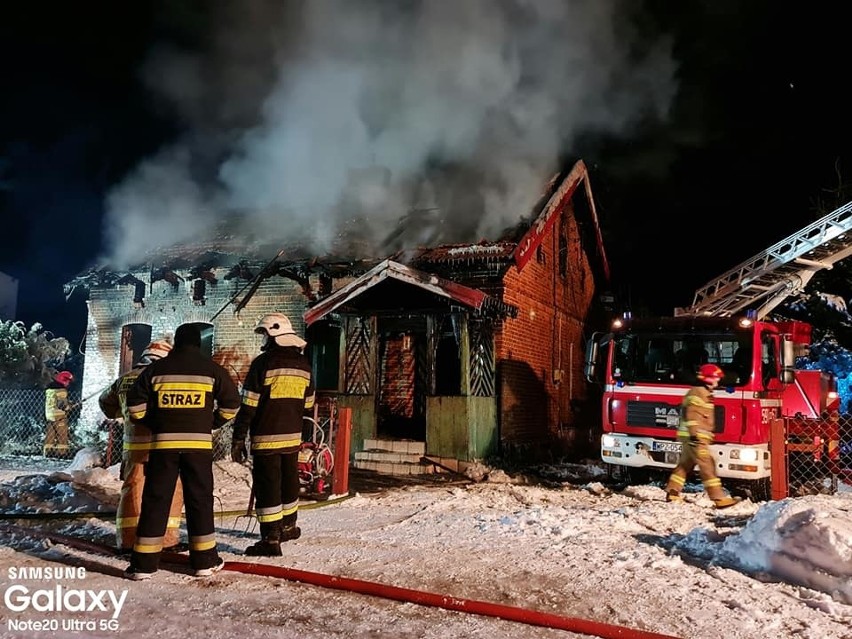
{"points": [[278, 327]]}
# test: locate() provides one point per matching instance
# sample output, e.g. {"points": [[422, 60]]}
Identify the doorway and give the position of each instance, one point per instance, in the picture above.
{"points": [[403, 379]]}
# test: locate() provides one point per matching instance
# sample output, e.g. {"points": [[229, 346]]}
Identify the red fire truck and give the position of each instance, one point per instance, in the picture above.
{"points": [[646, 366]]}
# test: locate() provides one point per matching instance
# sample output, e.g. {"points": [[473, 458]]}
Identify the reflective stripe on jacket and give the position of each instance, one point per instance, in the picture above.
{"points": [[697, 415], [113, 403], [277, 391], [55, 403], [181, 398]]}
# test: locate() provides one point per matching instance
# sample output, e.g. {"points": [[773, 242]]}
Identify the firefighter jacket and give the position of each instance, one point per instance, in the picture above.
{"points": [[277, 391], [697, 418], [181, 399], [55, 402], [113, 403]]}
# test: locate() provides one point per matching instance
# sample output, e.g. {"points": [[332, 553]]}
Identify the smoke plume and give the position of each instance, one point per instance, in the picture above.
{"points": [[305, 116]]}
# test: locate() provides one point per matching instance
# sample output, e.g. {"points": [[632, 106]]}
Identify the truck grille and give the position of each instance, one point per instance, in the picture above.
{"points": [[662, 415]]}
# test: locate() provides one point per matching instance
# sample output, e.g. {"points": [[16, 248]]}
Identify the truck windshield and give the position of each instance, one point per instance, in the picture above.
{"points": [[675, 358]]}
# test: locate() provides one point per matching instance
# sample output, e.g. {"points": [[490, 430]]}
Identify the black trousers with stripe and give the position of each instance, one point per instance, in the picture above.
{"points": [[161, 472], [275, 480]]}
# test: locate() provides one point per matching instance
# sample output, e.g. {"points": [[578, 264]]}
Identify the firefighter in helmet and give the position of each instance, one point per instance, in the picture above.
{"points": [[181, 398], [56, 409], [137, 444], [277, 391], [695, 433]]}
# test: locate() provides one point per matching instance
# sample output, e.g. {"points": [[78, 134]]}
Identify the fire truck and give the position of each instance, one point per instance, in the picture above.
{"points": [[646, 365]]}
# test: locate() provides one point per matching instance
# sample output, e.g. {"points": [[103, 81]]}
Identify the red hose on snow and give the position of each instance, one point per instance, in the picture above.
{"points": [[510, 613]]}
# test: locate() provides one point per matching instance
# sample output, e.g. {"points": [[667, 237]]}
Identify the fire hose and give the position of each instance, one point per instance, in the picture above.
{"points": [[359, 586], [448, 602]]}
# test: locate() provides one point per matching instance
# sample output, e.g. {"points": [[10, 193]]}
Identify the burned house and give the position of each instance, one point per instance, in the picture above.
{"points": [[452, 353]]}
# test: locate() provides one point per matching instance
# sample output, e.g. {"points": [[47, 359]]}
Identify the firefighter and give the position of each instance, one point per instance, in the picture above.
{"points": [[181, 399], [277, 391], [695, 432], [56, 409], [137, 443]]}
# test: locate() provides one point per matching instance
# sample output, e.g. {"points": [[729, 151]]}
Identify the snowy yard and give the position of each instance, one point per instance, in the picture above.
{"points": [[576, 550]]}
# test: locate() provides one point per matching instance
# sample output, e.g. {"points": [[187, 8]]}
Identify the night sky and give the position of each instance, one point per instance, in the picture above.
{"points": [[752, 147]]}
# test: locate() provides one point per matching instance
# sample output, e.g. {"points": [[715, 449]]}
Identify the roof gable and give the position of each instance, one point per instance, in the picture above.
{"points": [[551, 211], [390, 270]]}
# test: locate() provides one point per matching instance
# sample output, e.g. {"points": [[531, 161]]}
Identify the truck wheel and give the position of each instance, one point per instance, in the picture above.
{"points": [[757, 490], [637, 476]]}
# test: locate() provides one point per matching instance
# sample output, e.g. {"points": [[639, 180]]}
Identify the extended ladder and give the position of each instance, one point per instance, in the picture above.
{"points": [[784, 269]]}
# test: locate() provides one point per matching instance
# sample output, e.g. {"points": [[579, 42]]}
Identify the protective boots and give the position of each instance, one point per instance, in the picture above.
{"points": [[726, 502], [722, 502], [265, 548], [271, 537], [290, 532]]}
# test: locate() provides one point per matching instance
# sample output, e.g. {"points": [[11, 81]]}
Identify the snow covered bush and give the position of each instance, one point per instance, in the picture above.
{"points": [[29, 357]]}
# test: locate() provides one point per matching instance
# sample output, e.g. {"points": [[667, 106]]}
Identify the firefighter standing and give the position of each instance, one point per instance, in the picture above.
{"points": [[181, 399], [137, 443], [56, 409], [695, 432], [277, 391]]}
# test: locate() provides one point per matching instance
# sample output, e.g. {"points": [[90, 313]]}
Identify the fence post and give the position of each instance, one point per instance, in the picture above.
{"points": [[340, 481], [779, 478]]}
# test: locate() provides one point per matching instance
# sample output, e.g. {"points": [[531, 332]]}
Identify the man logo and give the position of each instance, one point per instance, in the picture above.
{"points": [[666, 416], [180, 399]]}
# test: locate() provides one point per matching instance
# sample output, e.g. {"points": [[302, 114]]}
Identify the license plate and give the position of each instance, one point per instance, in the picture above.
{"points": [[667, 447]]}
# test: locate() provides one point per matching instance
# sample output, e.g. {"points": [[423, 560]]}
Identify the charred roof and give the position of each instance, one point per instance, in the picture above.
{"points": [[421, 239]]}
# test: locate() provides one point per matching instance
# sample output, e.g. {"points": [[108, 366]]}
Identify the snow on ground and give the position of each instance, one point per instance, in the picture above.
{"points": [[572, 548]]}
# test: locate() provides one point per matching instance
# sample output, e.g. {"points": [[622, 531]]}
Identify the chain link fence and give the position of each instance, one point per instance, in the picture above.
{"points": [[23, 425], [819, 454]]}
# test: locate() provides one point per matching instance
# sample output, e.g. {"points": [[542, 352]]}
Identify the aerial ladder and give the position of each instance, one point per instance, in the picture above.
{"points": [[767, 279], [763, 282]]}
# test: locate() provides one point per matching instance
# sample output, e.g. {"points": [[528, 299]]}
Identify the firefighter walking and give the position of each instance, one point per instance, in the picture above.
{"points": [[56, 409], [277, 391], [136, 445], [695, 433], [181, 399]]}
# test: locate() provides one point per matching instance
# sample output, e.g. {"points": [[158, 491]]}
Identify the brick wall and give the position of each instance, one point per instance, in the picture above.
{"points": [[166, 307], [540, 354]]}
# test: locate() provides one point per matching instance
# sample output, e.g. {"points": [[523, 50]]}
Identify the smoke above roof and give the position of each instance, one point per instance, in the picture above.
{"points": [[305, 116]]}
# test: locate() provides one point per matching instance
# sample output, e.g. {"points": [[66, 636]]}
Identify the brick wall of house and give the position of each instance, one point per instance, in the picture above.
{"points": [[165, 308], [542, 389]]}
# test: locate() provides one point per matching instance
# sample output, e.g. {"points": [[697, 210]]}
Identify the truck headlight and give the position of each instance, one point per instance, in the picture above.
{"points": [[744, 454], [608, 441]]}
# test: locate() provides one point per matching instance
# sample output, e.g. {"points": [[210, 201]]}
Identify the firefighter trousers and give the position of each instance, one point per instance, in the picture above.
{"points": [[696, 454], [130, 503], [275, 480], [56, 439], [195, 470]]}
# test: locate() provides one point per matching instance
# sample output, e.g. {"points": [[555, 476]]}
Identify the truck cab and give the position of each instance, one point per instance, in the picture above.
{"points": [[646, 366]]}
